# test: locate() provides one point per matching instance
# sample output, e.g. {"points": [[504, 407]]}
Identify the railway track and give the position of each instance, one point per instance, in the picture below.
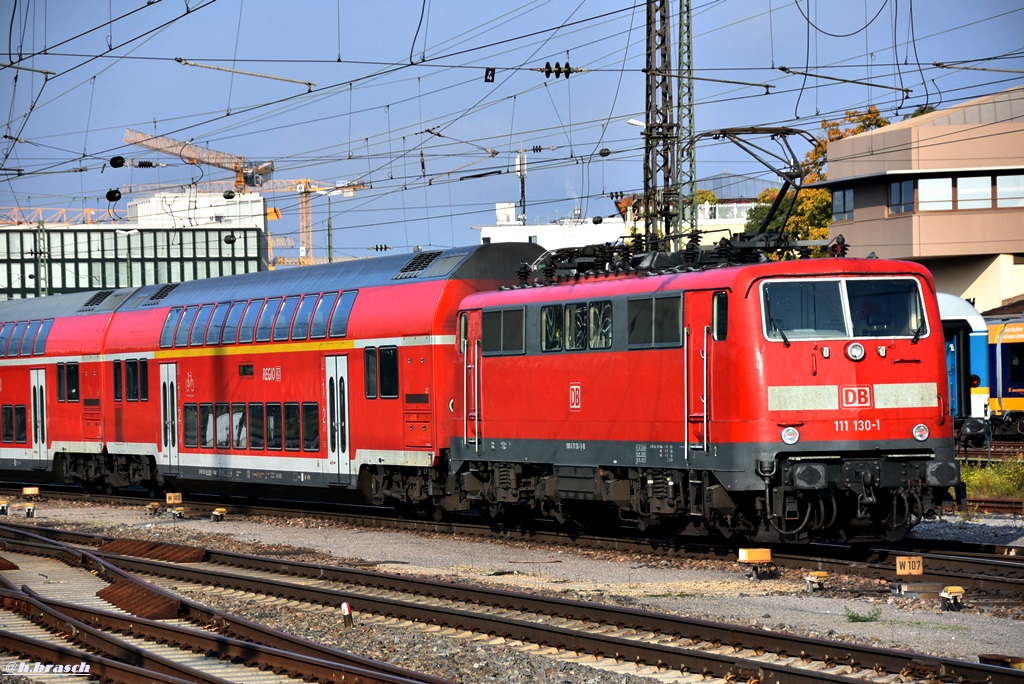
{"points": [[64, 605], [669, 645]]}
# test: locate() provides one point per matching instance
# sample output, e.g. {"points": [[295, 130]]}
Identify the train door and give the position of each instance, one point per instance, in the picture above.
{"points": [[469, 350], [954, 363], [169, 414], [41, 454], [338, 451], [697, 315]]}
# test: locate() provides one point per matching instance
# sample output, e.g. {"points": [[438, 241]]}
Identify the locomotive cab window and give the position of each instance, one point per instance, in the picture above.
{"points": [[836, 309]]}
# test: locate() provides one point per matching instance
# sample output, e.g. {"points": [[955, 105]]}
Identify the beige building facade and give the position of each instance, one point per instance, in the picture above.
{"points": [[945, 189]]}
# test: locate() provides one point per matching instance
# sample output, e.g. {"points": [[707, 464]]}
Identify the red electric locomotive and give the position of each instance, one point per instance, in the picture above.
{"points": [[782, 400], [777, 401]]}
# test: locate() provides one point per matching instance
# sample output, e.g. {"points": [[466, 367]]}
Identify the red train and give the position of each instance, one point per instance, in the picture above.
{"points": [[779, 400]]}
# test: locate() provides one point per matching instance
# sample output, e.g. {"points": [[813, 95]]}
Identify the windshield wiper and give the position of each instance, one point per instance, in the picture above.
{"points": [[771, 318], [917, 333]]}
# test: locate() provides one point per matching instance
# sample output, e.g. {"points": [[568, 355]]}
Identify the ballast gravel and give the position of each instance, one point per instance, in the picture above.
{"points": [[852, 610]]}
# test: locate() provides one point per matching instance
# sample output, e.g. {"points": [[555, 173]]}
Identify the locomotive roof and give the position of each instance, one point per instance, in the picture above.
{"points": [[494, 262]]}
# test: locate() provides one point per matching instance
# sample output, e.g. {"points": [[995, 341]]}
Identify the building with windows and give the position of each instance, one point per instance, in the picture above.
{"points": [[945, 189], [168, 238]]}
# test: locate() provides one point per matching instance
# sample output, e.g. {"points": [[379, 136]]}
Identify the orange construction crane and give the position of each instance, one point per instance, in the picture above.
{"points": [[247, 173]]}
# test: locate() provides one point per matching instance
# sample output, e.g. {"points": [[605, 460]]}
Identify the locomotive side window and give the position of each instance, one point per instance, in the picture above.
{"points": [[248, 325], [300, 326], [370, 371], [238, 431], [311, 426], [600, 325], [266, 319], [720, 316], [216, 327], [185, 326], [668, 328], [389, 372], [503, 332], [654, 322], [551, 328], [198, 334], [256, 427], [44, 332], [230, 333], [170, 325], [321, 315], [273, 426], [640, 317], [575, 326], [283, 324], [190, 424], [292, 427], [339, 319]]}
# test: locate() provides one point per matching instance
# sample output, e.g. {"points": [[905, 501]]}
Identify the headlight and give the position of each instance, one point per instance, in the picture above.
{"points": [[920, 432], [855, 351], [790, 435]]}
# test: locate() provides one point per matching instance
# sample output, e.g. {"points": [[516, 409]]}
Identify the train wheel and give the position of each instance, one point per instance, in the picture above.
{"points": [[1018, 425]]}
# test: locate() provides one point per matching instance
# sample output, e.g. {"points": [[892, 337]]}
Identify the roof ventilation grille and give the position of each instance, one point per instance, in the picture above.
{"points": [[417, 264]]}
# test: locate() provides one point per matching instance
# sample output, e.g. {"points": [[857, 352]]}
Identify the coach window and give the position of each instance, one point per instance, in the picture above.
{"points": [[223, 425], [30, 336], [238, 431], [273, 426], [600, 324], [198, 335], [20, 424], [118, 382], [72, 381], [185, 326], [300, 326], [216, 326], [206, 424], [292, 427], [720, 316], [15, 342], [370, 371], [190, 424], [256, 440], [170, 325], [283, 324], [62, 379], [131, 377], [310, 426], [230, 333], [575, 326], [321, 315], [248, 326], [551, 328], [389, 372], [266, 319], [339, 319], [7, 415], [39, 347], [5, 331], [144, 379]]}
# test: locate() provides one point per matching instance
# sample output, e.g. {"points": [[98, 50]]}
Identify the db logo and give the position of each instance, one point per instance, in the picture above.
{"points": [[855, 396], [575, 396]]}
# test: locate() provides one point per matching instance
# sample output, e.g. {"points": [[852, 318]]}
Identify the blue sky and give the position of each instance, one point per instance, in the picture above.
{"points": [[400, 100]]}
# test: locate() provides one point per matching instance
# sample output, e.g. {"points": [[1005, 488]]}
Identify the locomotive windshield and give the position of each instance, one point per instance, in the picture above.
{"points": [[835, 309]]}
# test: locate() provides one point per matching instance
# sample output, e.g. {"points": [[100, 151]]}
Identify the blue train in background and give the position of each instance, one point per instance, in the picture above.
{"points": [[1006, 361], [968, 360]]}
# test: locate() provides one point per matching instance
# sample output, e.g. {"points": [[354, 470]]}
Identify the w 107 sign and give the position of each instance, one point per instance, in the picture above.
{"points": [[855, 396]]}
